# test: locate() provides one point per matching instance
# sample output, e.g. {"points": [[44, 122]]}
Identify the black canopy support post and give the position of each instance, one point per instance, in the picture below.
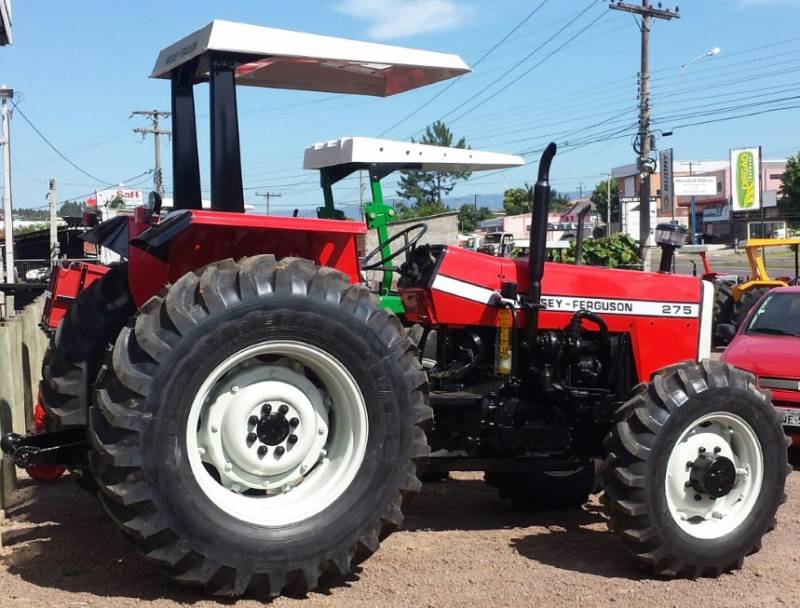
{"points": [[226, 159], [185, 163], [327, 178]]}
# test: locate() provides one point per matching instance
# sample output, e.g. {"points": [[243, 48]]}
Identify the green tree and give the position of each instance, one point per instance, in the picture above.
{"points": [[558, 201], [790, 185], [425, 189], [72, 209], [116, 203], [516, 201], [32, 214], [28, 229], [600, 199], [469, 216]]}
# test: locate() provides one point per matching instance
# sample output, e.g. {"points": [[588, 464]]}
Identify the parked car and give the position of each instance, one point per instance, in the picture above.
{"points": [[768, 345]]}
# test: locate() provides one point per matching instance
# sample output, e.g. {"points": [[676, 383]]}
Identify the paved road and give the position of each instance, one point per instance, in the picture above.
{"points": [[779, 261]]}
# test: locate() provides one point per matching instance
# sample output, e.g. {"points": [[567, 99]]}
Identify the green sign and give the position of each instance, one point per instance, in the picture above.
{"points": [[745, 178]]}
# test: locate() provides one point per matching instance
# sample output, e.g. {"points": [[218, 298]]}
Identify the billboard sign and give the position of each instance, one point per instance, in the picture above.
{"points": [[131, 197], [696, 185], [745, 179], [667, 185]]}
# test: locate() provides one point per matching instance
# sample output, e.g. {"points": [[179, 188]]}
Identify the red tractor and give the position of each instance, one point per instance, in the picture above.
{"points": [[259, 421]]}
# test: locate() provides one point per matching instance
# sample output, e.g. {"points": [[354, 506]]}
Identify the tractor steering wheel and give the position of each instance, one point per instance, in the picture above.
{"points": [[410, 242]]}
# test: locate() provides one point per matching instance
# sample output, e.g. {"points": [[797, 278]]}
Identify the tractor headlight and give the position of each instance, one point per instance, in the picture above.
{"points": [[673, 234]]}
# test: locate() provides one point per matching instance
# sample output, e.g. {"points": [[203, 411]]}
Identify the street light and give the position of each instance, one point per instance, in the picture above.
{"points": [[685, 66]]}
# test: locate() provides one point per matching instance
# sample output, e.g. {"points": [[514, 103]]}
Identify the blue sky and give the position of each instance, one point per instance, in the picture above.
{"points": [[80, 68]]}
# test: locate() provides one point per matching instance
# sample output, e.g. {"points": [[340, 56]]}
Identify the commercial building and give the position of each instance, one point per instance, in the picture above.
{"points": [[712, 212]]}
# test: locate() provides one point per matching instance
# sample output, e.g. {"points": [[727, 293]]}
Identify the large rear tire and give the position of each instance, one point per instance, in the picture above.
{"points": [[695, 470], [75, 352], [259, 426]]}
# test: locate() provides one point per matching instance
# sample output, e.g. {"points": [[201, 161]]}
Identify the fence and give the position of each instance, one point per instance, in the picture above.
{"points": [[22, 346], [31, 271]]}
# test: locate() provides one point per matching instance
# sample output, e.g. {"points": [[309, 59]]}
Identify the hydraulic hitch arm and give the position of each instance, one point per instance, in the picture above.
{"points": [[65, 447]]}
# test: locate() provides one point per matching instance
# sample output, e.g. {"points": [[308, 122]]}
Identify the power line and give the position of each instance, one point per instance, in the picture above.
{"points": [[77, 196], [56, 150], [452, 82], [529, 70], [519, 63]]}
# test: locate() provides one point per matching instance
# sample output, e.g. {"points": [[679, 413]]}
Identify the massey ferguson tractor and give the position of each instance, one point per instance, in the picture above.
{"points": [[255, 422]]}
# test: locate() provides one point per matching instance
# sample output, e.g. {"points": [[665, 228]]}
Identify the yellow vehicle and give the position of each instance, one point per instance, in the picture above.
{"points": [[748, 293]]}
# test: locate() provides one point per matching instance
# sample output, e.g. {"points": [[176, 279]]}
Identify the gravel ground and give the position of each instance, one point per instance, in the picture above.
{"points": [[461, 546]]}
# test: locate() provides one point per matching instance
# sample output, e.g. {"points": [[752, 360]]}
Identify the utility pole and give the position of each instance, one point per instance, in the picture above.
{"points": [[580, 191], [608, 205], [8, 228], [644, 163], [51, 199], [268, 196], [156, 131]]}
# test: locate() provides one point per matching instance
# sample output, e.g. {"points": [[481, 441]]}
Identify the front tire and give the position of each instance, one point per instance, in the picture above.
{"points": [[259, 426], [723, 307], [695, 470]]}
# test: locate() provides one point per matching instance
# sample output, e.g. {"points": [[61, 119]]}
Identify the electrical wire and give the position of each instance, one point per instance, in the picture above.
{"points": [[517, 64], [56, 150], [474, 65]]}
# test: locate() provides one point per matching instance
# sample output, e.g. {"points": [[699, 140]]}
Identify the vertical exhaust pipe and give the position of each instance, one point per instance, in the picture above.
{"points": [[538, 243]]}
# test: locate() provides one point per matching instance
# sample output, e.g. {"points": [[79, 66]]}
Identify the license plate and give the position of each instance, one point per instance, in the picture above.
{"points": [[791, 418]]}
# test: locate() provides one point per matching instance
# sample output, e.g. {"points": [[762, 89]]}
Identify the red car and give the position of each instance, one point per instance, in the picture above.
{"points": [[768, 345]]}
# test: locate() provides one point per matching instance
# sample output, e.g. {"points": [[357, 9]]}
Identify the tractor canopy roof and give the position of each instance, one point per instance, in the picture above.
{"points": [[361, 152], [283, 59]]}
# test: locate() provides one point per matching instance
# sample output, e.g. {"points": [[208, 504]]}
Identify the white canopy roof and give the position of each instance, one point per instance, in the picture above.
{"points": [[386, 151], [295, 60]]}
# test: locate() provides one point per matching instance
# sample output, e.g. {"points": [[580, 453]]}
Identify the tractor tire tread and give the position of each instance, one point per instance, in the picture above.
{"points": [[624, 467], [120, 415]]}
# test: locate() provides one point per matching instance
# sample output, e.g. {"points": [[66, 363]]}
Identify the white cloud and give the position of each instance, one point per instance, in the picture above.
{"points": [[389, 19]]}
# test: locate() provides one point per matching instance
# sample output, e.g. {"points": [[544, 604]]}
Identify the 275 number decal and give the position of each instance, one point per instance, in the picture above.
{"points": [[676, 309]]}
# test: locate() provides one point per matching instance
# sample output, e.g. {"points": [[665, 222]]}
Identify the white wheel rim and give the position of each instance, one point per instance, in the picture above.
{"points": [[312, 454], [725, 435]]}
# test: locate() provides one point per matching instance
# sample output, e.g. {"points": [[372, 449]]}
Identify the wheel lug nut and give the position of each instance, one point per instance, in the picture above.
{"points": [[279, 450], [701, 450], [292, 439], [283, 409], [294, 421], [266, 409], [262, 450], [251, 437], [252, 420]]}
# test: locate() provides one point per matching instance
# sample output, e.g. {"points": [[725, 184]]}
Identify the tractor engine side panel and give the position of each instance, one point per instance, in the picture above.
{"points": [[169, 250], [668, 317]]}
